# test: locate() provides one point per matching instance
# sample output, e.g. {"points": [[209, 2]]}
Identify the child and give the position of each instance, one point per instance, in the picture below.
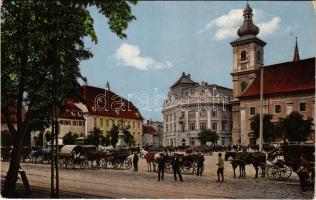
{"points": [[220, 170]]}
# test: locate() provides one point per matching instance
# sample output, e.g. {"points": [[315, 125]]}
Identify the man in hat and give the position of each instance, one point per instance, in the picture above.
{"points": [[135, 161], [176, 168], [161, 166]]}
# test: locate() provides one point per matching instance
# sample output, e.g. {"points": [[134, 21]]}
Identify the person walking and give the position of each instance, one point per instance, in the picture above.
{"points": [[200, 164], [135, 162], [303, 173], [176, 168], [161, 166], [220, 170]]}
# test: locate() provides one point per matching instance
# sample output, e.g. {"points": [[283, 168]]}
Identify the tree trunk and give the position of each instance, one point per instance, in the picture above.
{"points": [[12, 175]]}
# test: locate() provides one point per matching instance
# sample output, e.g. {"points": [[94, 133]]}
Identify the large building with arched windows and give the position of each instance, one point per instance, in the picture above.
{"points": [[192, 107]]}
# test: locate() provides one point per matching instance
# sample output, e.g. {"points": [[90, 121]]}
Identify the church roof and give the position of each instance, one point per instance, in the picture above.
{"points": [[184, 80], [109, 103], [284, 77], [71, 111]]}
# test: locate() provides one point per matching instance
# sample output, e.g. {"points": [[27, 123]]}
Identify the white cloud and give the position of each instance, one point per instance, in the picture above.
{"points": [[228, 24], [129, 55]]}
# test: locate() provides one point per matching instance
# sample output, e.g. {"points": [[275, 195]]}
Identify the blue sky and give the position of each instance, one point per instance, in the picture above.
{"points": [[169, 38]]}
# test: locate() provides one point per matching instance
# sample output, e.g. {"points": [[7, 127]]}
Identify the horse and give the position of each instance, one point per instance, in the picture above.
{"points": [[96, 156], [241, 159], [150, 160]]}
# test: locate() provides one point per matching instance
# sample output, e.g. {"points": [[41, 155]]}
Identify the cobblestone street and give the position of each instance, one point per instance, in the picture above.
{"points": [[111, 183]]}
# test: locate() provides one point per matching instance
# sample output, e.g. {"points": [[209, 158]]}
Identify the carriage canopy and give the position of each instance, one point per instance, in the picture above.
{"points": [[69, 149]]}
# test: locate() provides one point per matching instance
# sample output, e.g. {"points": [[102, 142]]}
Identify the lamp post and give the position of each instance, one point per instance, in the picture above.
{"points": [[261, 110]]}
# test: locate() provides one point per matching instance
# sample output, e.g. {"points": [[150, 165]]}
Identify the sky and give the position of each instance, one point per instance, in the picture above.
{"points": [[169, 37]]}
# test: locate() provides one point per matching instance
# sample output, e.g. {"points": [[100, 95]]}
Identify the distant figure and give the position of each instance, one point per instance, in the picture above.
{"points": [[200, 164], [303, 173], [176, 168], [161, 166], [135, 162], [220, 170]]}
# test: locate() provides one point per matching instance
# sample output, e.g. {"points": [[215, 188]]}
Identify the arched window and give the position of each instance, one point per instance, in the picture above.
{"points": [[258, 56], [243, 56], [243, 86]]}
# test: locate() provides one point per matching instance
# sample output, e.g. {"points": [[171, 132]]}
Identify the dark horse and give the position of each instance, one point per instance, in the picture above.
{"points": [[241, 159]]}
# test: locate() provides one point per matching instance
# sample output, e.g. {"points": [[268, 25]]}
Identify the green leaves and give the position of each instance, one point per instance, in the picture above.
{"points": [[269, 130], [208, 135]]}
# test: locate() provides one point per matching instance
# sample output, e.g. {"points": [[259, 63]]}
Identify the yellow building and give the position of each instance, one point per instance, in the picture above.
{"points": [[102, 109]]}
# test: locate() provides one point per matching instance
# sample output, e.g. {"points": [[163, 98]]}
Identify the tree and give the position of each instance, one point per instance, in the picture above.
{"points": [[295, 128], [112, 136], [269, 128], [70, 138], [208, 135], [95, 137], [38, 36]]}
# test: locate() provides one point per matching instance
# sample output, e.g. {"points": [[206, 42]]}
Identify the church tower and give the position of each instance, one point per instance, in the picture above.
{"points": [[247, 59]]}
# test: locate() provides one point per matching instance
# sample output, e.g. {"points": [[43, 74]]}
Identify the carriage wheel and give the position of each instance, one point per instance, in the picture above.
{"points": [[168, 168], [187, 168], [273, 172], [117, 164], [285, 172], [70, 164], [128, 164]]}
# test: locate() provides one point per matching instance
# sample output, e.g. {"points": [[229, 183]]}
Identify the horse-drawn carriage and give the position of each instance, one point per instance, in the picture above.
{"points": [[118, 159], [188, 163], [287, 158], [71, 155]]}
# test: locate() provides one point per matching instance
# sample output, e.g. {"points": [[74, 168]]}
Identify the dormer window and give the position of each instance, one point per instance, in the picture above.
{"points": [[243, 56]]}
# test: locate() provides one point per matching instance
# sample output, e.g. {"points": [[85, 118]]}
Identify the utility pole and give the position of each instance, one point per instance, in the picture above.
{"points": [[261, 109]]}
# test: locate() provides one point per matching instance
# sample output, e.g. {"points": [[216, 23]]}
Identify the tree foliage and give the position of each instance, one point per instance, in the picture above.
{"points": [[295, 128], [112, 136], [37, 35], [95, 137], [208, 135], [269, 128], [70, 138]]}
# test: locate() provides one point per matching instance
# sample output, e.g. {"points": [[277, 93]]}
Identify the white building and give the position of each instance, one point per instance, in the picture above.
{"points": [[192, 107]]}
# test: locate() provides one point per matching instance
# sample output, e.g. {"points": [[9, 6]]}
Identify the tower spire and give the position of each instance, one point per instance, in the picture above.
{"points": [[248, 27], [296, 56]]}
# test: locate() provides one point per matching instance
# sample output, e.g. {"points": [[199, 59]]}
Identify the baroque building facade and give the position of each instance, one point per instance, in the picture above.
{"points": [[287, 87], [192, 107]]}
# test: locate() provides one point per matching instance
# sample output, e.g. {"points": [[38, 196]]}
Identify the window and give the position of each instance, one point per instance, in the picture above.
{"points": [[107, 122], [252, 111], [277, 108], [133, 124], [243, 56], [302, 107], [243, 86], [182, 114], [223, 125], [214, 126], [192, 141], [202, 126], [214, 114], [74, 123], [223, 141], [192, 114], [202, 113], [192, 127], [258, 56], [101, 122], [138, 124]]}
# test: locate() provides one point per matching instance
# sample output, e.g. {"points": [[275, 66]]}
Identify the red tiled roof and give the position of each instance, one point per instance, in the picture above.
{"points": [[149, 130], [110, 104], [284, 77], [71, 111]]}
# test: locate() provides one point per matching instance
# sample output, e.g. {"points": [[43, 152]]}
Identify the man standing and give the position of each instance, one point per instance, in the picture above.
{"points": [[200, 164], [176, 168], [135, 162], [161, 166], [220, 170], [303, 173]]}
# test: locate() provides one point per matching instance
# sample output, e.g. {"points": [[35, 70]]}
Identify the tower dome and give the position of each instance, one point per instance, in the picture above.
{"points": [[248, 27]]}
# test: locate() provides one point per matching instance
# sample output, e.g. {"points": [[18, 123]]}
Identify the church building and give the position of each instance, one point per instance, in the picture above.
{"points": [[287, 87]]}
